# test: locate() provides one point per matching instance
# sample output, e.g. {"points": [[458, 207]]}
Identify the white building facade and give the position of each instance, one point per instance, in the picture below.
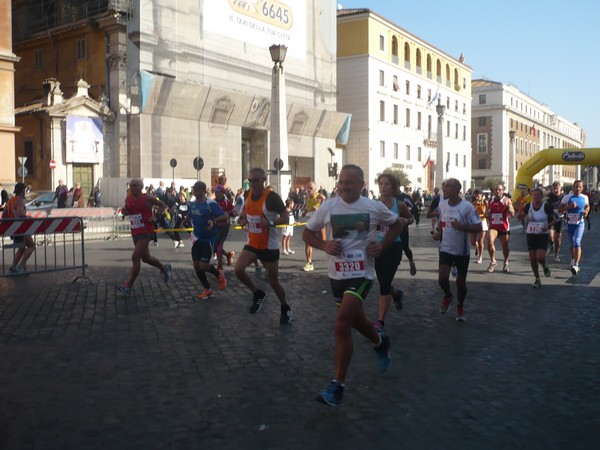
{"points": [[391, 82], [509, 127]]}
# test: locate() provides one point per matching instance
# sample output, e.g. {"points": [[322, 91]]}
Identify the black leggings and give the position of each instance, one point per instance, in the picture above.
{"points": [[386, 266], [404, 237]]}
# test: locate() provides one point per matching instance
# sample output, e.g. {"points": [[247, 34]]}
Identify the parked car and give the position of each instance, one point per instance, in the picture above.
{"points": [[40, 201]]}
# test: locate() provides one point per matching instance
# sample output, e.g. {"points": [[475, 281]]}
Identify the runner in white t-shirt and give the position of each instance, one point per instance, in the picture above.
{"points": [[351, 223], [457, 219]]}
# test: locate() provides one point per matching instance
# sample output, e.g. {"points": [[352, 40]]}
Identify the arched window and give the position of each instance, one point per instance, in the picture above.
{"points": [[406, 55], [429, 67], [456, 83], [447, 75], [419, 62], [438, 71], [395, 49]]}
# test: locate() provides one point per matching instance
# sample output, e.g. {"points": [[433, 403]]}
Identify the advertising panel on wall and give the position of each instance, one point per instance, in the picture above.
{"points": [[261, 22], [85, 141]]}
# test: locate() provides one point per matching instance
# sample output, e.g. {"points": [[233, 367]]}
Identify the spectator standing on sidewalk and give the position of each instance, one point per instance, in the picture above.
{"points": [[313, 201], [576, 205], [457, 218], [538, 217], [351, 271], [15, 209], [205, 215], [263, 211], [61, 193], [140, 209]]}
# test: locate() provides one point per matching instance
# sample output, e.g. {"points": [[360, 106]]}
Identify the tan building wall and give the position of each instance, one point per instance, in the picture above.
{"points": [[58, 56], [7, 116]]}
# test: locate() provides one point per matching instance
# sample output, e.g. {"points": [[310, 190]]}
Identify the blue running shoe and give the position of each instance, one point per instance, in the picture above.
{"points": [[333, 395], [384, 358], [125, 288]]}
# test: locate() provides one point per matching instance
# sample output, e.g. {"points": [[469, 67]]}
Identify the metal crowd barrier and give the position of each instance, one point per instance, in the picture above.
{"points": [[99, 223], [60, 244]]}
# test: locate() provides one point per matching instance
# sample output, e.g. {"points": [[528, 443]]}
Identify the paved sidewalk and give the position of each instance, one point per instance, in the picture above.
{"points": [[85, 367]]}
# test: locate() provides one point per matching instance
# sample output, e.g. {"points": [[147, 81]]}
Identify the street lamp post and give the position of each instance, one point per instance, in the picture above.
{"points": [[511, 162], [279, 137], [440, 174]]}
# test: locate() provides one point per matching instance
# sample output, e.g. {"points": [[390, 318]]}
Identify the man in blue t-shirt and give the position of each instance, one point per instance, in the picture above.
{"points": [[205, 214]]}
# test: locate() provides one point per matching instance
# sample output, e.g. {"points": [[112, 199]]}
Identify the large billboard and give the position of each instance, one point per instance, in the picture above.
{"points": [[260, 22]]}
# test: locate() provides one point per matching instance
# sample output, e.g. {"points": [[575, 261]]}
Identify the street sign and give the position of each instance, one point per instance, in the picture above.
{"points": [[173, 163], [52, 164], [22, 171], [278, 164], [22, 160], [198, 163]]}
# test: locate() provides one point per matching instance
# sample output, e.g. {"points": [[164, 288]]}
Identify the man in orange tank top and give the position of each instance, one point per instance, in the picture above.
{"points": [[263, 211], [139, 207]]}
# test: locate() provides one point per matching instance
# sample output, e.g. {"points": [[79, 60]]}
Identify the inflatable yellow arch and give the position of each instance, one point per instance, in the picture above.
{"points": [[549, 156]]}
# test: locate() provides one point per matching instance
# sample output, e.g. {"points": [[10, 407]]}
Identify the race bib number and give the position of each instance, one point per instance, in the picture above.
{"points": [[573, 218], [497, 219], [136, 221], [536, 228], [254, 224], [351, 265]]}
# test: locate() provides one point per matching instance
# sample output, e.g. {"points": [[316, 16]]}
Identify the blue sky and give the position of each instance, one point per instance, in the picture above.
{"points": [[549, 50]]}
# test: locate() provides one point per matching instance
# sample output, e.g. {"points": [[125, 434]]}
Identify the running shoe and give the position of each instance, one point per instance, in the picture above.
{"points": [[384, 359], [445, 306], [125, 288], [460, 314], [257, 301], [167, 272], [398, 299], [308, 267], [546, 270], [413, 268], [480, 260], [505, 268], [221, 280], [378, 325], [291, 252], [13, 270], [230, 256], [286, 315], [575, 269], [536, 284], [333, 395], [492, 266], [206, 294], [181, 245], [176, 244], [557, 257], [285, 252]]}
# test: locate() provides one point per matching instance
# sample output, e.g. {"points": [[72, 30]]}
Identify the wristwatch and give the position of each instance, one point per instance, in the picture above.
{"points": [[271, 223]]}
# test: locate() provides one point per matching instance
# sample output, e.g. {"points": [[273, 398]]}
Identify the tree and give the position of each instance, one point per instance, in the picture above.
{"points": [[491, 182], [399, 174]]}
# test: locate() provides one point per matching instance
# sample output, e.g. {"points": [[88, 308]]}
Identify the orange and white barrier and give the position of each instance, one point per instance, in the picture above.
{"points": [[60, 243]]}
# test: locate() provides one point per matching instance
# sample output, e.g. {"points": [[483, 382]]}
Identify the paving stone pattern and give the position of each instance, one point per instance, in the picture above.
{"points": [[84, 367]]}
